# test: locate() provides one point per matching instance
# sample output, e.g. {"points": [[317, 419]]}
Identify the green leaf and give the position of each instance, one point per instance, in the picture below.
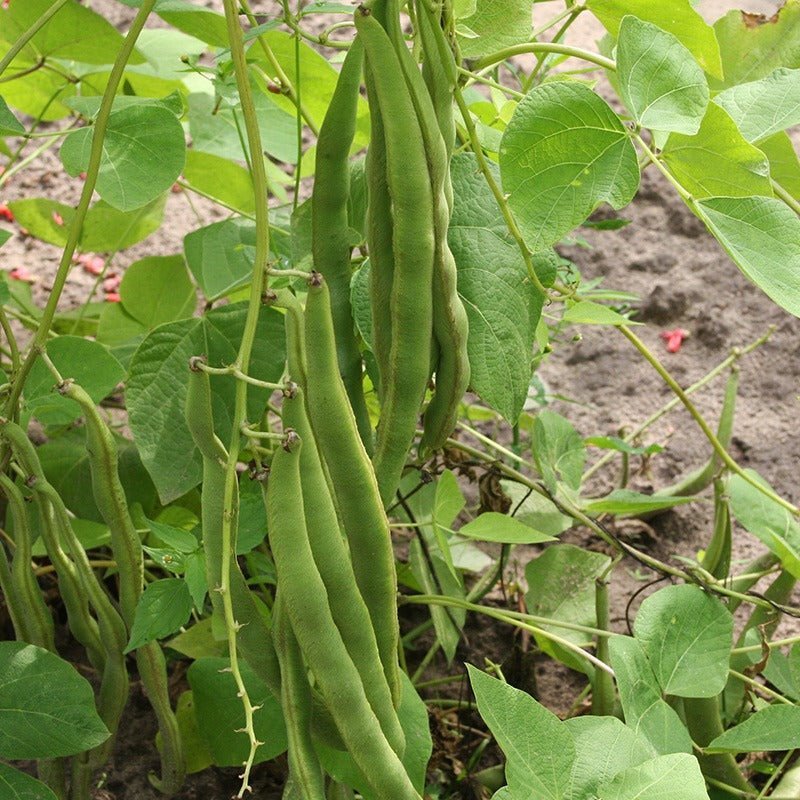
{"points": [[762, 236], [75, 33], [46, 708], [640, 696], [561, 586], [535, 510], [143, 153], [157, 289], [40, 94], [196, 578], [197, 21], [16, 785], [563, 153], [764, 518], [88, 106], [199, 642], [156, 390], [86, 362], [217, 258], [626, 501], [686, 635], [66, 465], [494, 527], [164, 606], [674, 775], [216, 132], [764, 107], [497, 24], [502, 310], [177, 538], [108, 229], [775, 727], [449, 500], [718, 160], [673, 16], [752, 45], [603, 748], [621, 446], [222, 179], [9, 124], [558, 451], [538, 747], [586, 312], [659, 79], [315, 71], [435, 576], [220, 714], [784, 165], [38, 216], [4, 237]]}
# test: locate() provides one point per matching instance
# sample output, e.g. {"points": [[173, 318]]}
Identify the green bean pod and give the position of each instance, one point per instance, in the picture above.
{"points": [[450, 324], [330, 230], [353, 482], [307, 607], [81, 623], [34, 622], [379, 228], [414, 254], [304, 766], [109, 496], [333, 561], [253, 639], [114, 684], [329, 546]]}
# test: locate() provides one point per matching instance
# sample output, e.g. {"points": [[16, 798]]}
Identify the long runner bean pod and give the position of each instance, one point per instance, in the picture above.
{"points": [[253, 637], [414, 252], [329, 546], [379, 227], [330, 239], [81, 623], [450, 324], [109, 496], [106, 637], [353, 481], [304, 767], [35, 624], [307, 606]]}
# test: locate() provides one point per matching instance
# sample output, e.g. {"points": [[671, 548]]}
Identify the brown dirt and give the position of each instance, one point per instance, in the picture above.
{"points": [[682, 278]]}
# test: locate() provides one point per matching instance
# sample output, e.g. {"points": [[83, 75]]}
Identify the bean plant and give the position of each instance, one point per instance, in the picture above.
{"points": [[231, 477]]}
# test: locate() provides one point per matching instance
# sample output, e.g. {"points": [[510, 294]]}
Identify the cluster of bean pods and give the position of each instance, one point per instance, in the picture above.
{"points": [[95, 620]]}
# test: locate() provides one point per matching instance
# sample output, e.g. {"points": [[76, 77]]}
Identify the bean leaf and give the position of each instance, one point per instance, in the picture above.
{"points": [[164, 607]]}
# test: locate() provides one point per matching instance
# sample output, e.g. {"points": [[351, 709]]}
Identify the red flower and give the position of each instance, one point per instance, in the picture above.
{"points": [[674, 339], [111, 283], [113, 297], [57, 218], [6, 214]]}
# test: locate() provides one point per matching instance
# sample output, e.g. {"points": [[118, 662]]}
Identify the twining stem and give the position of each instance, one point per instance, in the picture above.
{"points": [[734, 356], [280, 74], [543, 47], [23, 40], [785, 196], [76, 226], [512, 618], [242, 363], [723, 454], [697, 575], [496, 191]]}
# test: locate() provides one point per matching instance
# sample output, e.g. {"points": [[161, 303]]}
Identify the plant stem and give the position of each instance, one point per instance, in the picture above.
{"points": [[723, 454], [735, 355], [76, 227], [785, 196], [543, 47], [23, 40], [230, 492]]}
